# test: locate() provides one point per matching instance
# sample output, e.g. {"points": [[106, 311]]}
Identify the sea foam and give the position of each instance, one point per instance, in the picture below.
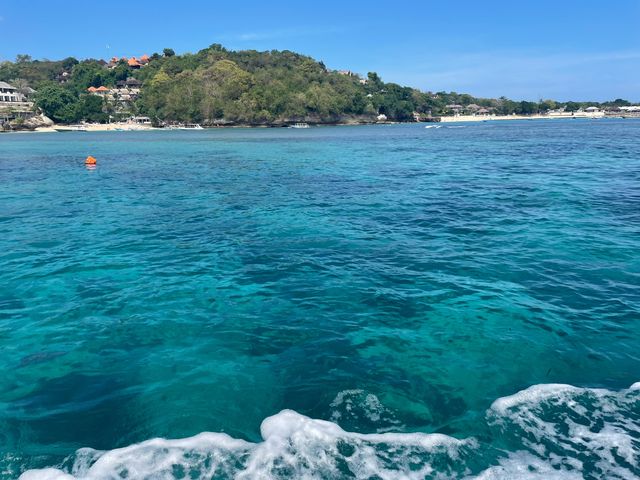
{"points": [[543, 432]]}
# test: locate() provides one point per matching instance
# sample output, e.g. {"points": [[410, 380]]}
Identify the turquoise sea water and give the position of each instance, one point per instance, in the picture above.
{"points": [[402, 284]]}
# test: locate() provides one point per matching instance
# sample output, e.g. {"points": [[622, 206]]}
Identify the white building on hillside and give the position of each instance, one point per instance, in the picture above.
{"points": [[9, 93]]}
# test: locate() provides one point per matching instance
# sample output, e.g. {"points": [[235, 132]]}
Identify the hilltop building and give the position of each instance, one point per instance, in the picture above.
{"points": [[132, 62], [121, 96], [63, 77], [129, 83], [456, 109], [9, 93], [129, 86], [102, 91], [14, 103]]}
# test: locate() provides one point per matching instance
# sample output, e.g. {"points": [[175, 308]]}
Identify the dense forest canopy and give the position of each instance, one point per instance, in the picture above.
{"points": [[216, 85]]}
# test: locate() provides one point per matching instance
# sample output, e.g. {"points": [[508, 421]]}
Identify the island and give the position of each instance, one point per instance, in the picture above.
{"points": [[217, 87]]}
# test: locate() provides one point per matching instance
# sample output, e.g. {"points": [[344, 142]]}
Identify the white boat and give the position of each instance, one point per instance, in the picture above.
{"points": [[299, 125], [71, 128], [186, 126]]}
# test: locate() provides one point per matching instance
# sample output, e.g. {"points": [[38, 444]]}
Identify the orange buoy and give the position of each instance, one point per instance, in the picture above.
{"points": [[90, 161]]}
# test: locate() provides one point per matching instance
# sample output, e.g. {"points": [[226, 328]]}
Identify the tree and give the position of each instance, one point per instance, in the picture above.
{"points": [[121, 71], [68, 63], [58, 103], [527, 108], [505, 106], [619, 102], [572, 106], [374, 83], [226, 80], [546, 105], [168, 52], [21, 85], [91, 109], [23, 58], [90, 73]]}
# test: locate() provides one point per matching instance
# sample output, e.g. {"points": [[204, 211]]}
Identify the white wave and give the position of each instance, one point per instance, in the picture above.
{"points": [[524, 466], [588, 428], [46, 474], [358, 405], [294, 446], [532, 395], [543, 432]]}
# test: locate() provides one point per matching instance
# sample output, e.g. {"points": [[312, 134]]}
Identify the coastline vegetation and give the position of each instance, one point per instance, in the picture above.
{"points": [[216, 86]]}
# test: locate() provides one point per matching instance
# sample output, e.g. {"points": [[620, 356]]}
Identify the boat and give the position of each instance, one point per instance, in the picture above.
{"points": [[186, 126], [71, 128], [299, 125]]}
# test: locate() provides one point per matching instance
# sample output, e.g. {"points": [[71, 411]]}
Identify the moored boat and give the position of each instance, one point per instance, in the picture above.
{"points": [[186, 126], [71, 128]]}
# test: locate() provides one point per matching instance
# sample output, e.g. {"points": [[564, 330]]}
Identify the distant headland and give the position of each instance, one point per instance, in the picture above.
{"points": [[220, 87]]}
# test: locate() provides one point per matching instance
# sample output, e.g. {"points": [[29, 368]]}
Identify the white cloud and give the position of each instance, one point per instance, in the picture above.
{"points": [[280, 34]]}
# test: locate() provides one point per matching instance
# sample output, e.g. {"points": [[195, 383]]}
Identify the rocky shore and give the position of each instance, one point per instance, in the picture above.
{"points": [[33, 123]]}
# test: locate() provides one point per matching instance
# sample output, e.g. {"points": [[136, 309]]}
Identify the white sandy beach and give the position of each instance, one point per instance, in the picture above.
{"points": [[484, 118], [104, 127]]}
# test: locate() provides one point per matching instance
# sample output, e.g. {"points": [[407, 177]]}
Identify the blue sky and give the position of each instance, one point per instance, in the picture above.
{"points": [[562, 49]]}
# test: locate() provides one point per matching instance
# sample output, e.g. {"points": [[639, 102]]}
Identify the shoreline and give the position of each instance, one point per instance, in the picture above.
{"points": [[101, 127], [128, 127], [484, 118]]}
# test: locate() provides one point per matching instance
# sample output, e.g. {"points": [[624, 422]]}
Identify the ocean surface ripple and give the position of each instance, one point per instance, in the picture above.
{"points": [[340, 302]]}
